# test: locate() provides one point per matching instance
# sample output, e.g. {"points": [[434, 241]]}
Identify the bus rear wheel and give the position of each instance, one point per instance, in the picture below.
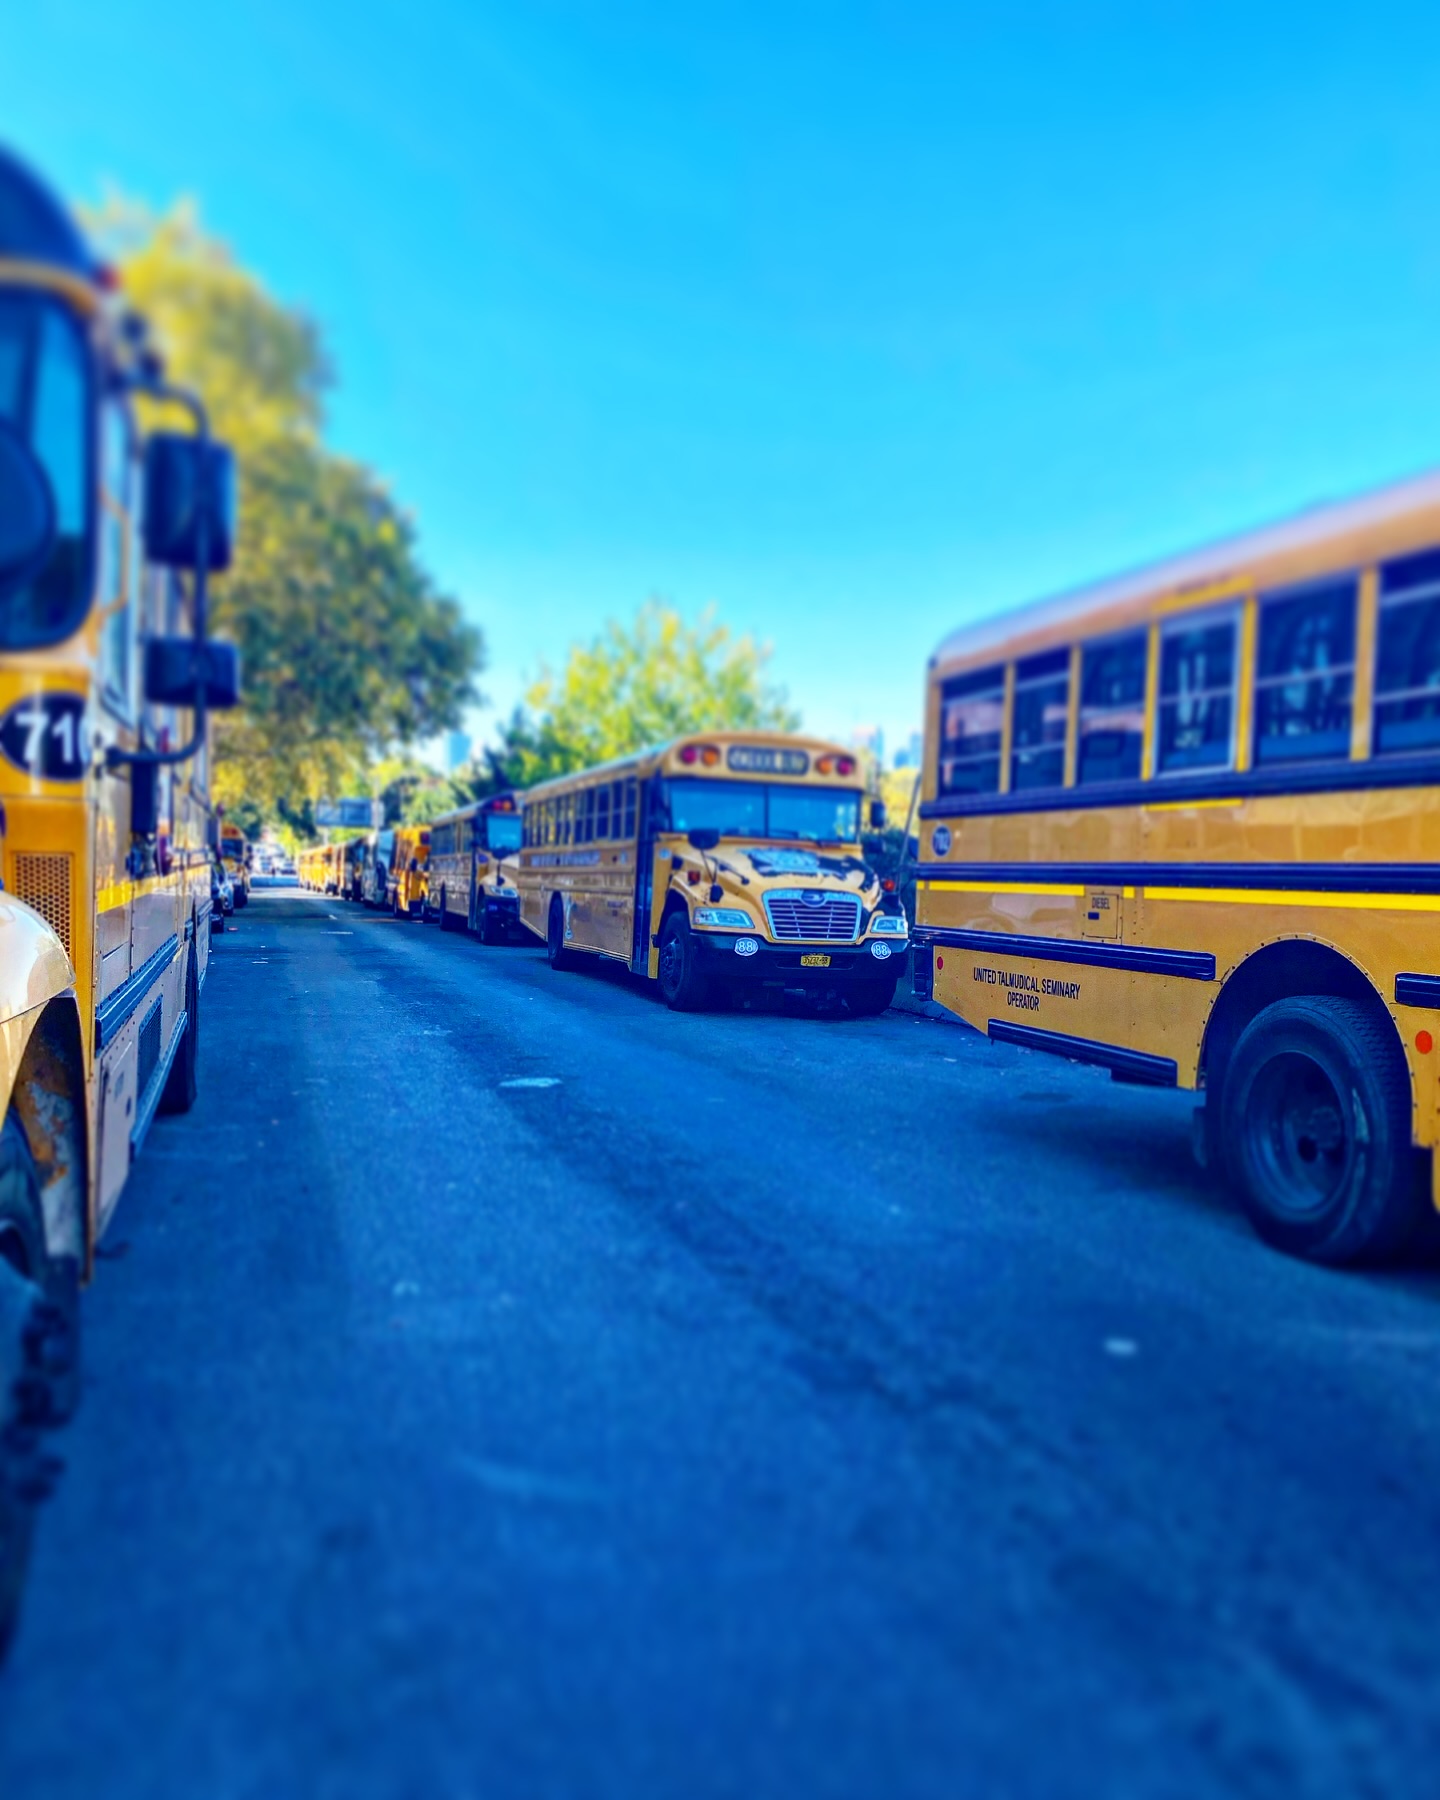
{"points": [[182, 1084], [560, 957], [1315, 1117], [448, 921], [682, 985]]}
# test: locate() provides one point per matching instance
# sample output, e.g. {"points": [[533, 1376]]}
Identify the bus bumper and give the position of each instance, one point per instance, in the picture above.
{"points": [[780, 965]]}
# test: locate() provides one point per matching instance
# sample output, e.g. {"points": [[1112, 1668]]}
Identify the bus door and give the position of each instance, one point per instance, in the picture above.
{"points": [[652, 873]]}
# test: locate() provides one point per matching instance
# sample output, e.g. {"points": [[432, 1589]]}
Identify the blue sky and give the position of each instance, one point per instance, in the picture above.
{"points": [[853, 321]]}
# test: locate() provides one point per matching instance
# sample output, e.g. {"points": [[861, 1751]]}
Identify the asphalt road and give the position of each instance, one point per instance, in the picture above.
{"points": [[502, 1386]]}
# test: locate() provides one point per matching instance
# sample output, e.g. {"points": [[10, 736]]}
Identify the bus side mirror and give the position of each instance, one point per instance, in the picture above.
{"points": [[182, 672], [189, 494]]}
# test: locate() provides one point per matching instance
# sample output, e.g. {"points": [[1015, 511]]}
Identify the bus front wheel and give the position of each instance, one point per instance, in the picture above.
{"points": [[684, 988], [24, 1267], [1315, 1117], [871, 998]]}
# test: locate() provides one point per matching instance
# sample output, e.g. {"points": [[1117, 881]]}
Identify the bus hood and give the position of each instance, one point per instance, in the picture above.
{"points": [[752, 867]]}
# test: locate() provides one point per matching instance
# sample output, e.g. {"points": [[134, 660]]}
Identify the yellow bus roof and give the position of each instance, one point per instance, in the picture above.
{"points": [[1322, 538]]}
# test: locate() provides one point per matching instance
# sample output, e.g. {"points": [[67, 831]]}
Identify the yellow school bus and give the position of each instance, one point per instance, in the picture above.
{"points": [[1186, 825], [471, 876], [408, 871], [716, 865], [106, 683], [235, 858], [312, 868]]}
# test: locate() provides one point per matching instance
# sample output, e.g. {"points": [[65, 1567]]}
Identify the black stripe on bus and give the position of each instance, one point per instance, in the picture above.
{"points": [[1130, 1065], [116, 1008], [1340, 878], [1417, 990], [1192, 965], [1161, 790]]}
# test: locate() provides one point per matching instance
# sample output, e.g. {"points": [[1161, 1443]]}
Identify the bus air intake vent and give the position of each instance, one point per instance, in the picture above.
{"points": [[44, 883], [812, 915]]}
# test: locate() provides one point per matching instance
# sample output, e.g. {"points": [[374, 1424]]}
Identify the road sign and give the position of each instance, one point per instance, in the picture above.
{"points": [[355, 814]]}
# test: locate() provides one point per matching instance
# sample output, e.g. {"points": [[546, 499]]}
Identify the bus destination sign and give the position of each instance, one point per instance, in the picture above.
{"points": [[764, 759]]}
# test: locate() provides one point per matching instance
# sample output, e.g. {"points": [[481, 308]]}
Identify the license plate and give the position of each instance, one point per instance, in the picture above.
{"points": [[814, 962]]}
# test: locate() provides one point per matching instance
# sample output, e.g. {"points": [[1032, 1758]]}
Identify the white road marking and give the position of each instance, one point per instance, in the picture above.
{"points": [[1122, 1347], [532, 1081]]}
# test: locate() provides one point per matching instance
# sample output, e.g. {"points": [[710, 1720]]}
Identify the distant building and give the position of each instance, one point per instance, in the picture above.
{"points": [[911, 753], [870, 738], [457, 750]]}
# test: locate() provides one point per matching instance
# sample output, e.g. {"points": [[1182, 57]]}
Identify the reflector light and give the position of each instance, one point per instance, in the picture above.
{"points": [[1424, 1043]]}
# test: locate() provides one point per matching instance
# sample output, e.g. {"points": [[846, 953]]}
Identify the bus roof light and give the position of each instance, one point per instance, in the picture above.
{"points": [[845, 765], [688, 753]]}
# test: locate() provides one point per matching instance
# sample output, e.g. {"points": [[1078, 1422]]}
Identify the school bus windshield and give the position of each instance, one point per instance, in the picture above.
{"points": [[43, 395], [760, 809], [503, 832]]}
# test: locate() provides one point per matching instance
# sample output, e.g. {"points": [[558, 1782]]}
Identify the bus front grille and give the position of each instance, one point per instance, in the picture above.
{"points": [[798, 916], [44, 882]]}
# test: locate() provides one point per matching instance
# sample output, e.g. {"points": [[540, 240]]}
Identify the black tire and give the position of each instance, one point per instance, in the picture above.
{"points": [[241, 898], [447, 921], [560, 957], [868, 999], [682, 985], [396, 910], [24, 1273], [1315, 1126], [491, 930], [182, 1084]]}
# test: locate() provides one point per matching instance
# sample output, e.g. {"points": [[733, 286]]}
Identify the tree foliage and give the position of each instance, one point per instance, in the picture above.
{"points": [[347, 648], [656, 679]]}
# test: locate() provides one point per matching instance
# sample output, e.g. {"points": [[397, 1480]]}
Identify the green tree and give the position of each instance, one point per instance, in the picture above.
{"points": [[633, 686], [347, 648]]}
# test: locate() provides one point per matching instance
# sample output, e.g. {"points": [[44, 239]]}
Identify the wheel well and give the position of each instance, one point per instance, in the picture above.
{"points": [[49, 1097], [1293, 966]]}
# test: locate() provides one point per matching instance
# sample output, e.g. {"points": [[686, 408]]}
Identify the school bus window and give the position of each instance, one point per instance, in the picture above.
{"points": [[1407, 658], [971, 712], [1042, 708], [1197, 693], [631, 788], [1306, 674], [1112, 709], [602, 810], [45, 396]]}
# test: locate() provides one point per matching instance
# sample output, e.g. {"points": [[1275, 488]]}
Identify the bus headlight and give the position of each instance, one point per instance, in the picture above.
{"points": [[889, 925], [724, 918], [746, 947], [880, 951]]}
